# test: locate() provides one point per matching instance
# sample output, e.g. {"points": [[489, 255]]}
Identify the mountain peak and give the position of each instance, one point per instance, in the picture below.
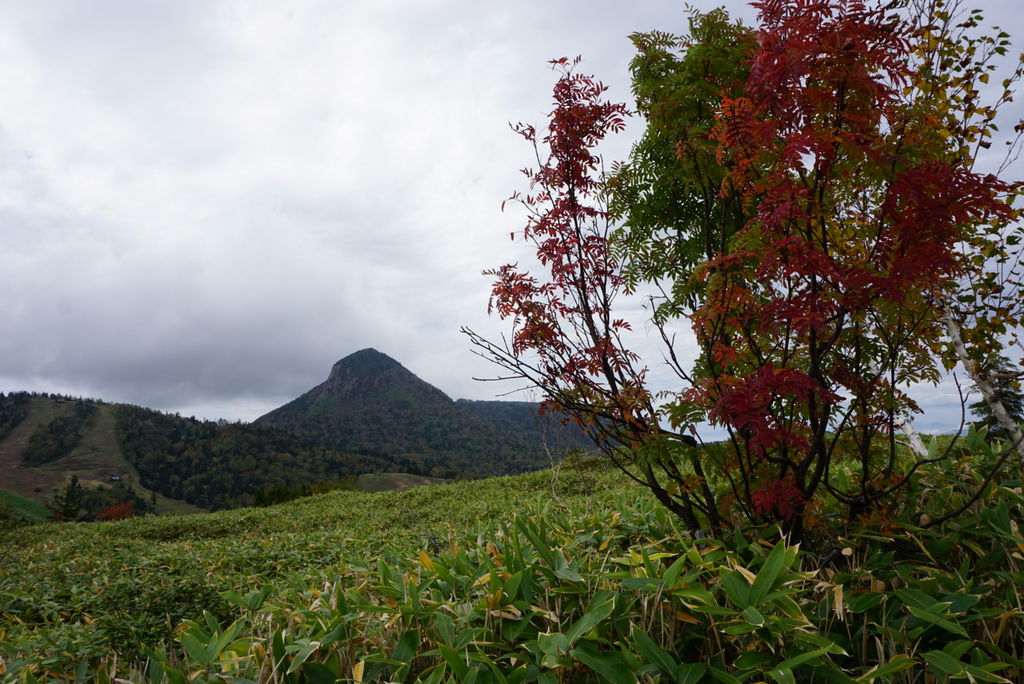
{"points": [[372, 404], [364, 362]]}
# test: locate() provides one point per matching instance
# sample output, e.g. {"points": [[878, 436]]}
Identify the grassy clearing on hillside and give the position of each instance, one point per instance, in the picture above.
{"points": [[95, 460], [25, 508], [385, 482]]}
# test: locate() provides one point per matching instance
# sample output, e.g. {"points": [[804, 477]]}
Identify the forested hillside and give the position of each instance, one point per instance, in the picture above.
{"points": [[523, 419], [63, 452], [13, 409], [58, 438], [223, 465], [371, 416]]}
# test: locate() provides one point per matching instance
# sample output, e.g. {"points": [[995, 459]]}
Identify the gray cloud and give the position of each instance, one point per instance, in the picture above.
{"points": [[205, 204]]}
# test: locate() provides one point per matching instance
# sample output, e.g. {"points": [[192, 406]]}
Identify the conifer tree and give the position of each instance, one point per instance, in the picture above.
{"points": [[67, 502]]}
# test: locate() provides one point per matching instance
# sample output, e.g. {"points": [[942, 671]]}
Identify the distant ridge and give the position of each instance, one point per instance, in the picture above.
{"points": [[371, 415]]}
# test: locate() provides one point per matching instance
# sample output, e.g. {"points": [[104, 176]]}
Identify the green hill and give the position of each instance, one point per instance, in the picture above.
{"points": [[162, 462], [370, 416], [225, 465], [56, 438], [524, 420], [21, 508]]}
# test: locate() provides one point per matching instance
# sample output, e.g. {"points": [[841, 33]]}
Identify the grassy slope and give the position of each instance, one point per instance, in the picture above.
{"points": [[24, 481], [25, 508], [94, 460], [100, 584], [98, 590], [385, 482]]}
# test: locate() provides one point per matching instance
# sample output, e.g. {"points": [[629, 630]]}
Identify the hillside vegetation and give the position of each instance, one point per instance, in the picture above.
{"points": [[75, 592], [565, 576], [50, 439], [180, 465]]}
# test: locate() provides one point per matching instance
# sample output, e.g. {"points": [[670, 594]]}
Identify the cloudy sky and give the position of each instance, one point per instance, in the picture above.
{"points": [[204, 204]]}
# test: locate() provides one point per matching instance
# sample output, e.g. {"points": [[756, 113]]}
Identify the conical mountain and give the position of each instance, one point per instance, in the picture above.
{"points": [[371, 404], [364, 377]]}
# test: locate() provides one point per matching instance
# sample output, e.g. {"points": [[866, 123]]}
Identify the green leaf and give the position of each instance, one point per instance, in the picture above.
{"points": [[601, 606], [554, 646], [723, 676], [957, 648], [302, 655], [944, 663], [753, 616], [983, 675], [752, 659], [445, 628], [195, 649], [643, 584], [455, 661], [277, 646], [691, 673], [436, 675], [736, 587], [539, 544], [653, 653], [865, 602], [913, 597], [406, 647], [671, 575], [511, 587], [897, 664], [773, 566], [787, 665], [317, 673], [937, 620], [609, 665], [218, 644]]}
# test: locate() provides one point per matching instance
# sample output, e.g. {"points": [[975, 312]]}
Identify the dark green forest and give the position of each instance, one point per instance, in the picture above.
{"points": [[13, 409], [521, 418], [371, 404], [224, 465]]}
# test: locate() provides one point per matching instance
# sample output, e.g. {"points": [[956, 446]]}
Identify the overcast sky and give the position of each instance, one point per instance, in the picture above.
{"points": [[204, 204]]}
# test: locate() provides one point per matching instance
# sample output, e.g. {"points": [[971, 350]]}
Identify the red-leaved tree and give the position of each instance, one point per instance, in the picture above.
{"points": [[845, 221], [118, 511], [565, 339]]}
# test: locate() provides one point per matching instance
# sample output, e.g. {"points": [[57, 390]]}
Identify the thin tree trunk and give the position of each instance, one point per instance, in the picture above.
{"points": [[984, 386], [913, 438], [907, 426]]}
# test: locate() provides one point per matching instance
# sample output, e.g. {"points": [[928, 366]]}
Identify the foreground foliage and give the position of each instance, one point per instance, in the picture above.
{"points": [[74, 592], [609, 587]]}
